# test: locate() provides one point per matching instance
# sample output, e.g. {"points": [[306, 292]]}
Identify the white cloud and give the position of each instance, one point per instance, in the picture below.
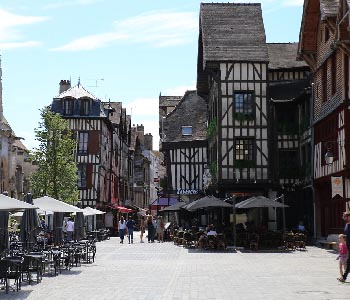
{"points": [[159, 28], [70, 3], [142, 107], [9, 36]]}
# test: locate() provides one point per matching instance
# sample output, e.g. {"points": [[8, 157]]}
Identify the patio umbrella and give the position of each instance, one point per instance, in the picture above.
{"points": [[4, 238], [57, 225], [47, 203], [79, 226], [206, 202], [259, 201], [29, 226], [175, 207], [89, 211], [11, 204]]}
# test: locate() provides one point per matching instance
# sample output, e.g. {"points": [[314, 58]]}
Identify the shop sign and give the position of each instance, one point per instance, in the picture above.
{"points": [[187, 192], [337, 186]]}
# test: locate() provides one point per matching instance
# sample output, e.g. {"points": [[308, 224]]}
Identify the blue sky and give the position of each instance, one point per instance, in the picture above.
{"points": [[126, 51]]}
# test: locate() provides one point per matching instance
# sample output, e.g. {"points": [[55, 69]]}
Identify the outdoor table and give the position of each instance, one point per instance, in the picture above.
{"points": [[37, 258]]}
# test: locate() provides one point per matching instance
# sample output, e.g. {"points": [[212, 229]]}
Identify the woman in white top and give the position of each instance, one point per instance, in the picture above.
{"points": [[122, 227]]}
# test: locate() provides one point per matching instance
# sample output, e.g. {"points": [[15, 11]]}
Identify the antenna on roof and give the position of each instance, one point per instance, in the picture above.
{"points": [[79, 81]]}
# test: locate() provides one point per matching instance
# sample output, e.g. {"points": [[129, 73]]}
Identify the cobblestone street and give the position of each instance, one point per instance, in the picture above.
{"points": [[165, 271]]}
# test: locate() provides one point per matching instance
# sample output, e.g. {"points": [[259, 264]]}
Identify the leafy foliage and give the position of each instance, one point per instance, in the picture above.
{"points": [[57, 170], [212, 128]]}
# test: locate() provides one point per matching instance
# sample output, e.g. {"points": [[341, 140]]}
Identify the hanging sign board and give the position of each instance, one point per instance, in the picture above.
{"points": [[337, 186]]}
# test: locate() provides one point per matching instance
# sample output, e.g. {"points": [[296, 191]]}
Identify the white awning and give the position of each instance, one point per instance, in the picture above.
{"points": [[50, 204]]}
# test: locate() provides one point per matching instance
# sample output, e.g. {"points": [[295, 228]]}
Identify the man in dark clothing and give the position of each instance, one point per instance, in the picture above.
{"points": [[130, 225], [346, 218]]}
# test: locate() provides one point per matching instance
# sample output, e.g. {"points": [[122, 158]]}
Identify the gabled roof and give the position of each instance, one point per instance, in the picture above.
{"points": [[76, 92], [191, 111], [284, 56], [229, 32], [232, 32]]}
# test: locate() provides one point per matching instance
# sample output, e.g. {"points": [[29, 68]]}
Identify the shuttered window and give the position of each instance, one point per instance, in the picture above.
{"points": [[83, 137], [89, 176], [85, 178], [94, 142], [85, 107]]}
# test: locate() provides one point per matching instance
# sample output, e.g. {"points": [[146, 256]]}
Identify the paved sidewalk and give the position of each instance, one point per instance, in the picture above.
{"points": [[164, 271]]}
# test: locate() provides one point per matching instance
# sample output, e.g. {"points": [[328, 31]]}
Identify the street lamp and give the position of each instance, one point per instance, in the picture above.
{"points": [[329, 156]]}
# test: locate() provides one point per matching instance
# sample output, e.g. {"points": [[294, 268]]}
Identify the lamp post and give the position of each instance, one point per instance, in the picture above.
{"points": [[329, 156]]}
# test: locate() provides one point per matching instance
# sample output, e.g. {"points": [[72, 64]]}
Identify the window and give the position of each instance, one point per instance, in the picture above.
{"points": [[83, 142], [244, 149], [186, 130], [85, 107], [82, 176], [244, 102], [68, 107]]}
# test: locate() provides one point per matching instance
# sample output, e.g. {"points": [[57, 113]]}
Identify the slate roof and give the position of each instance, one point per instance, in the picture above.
{"points": [[190, 111], [169, 100], [284, 56], [329, 8], [76, 94], [232, 32]]}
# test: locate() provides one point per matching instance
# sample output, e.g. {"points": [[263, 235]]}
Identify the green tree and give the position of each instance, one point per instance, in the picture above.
{"points": [[57, 171]]}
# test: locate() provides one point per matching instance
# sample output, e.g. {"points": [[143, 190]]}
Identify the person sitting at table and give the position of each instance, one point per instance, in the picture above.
{"points": [[202, 241], [212, 231]]}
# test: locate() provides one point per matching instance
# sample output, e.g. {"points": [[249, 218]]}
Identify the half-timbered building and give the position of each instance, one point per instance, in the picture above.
{"points": [[324, 45], [232, 76], [184, 145], [290, 93], [96, 145]]}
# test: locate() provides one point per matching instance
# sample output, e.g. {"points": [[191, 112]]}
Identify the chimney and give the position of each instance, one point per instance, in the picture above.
{"points": [[64, 86], [140, 133], [149, 141]]}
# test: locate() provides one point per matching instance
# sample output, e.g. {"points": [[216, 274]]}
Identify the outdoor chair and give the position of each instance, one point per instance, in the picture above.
{"points": [[300, 241], [221, 243], [187, 239], [254, 241], [211, 242], [8, 271], [31, 265], [289, 241]]}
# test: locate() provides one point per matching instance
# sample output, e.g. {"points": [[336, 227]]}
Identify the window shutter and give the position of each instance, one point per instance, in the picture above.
{"points": [[89, 169], [94, 142]]}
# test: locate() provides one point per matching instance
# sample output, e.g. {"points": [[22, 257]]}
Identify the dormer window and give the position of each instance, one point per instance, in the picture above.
{"points": [[85, 107], [186, 130], [68, 107]]}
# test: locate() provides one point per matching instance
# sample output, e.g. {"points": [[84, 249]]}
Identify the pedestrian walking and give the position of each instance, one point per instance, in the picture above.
{"points": [[130, 224], [346, 218], [150, 228], [343, 252], [122, 228], [70, 229], [160, 230], [142, 228]]}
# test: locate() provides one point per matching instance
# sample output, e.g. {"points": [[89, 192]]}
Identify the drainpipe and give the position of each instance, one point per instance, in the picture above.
{"points": [[312, 156]]}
